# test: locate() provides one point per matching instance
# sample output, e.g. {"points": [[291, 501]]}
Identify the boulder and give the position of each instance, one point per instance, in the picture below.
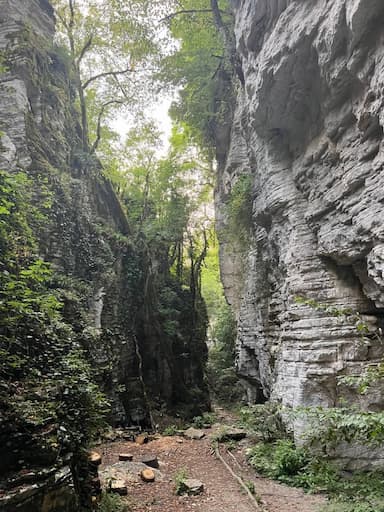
{"points": [[194, 433], [118, 486], [191, 487]]}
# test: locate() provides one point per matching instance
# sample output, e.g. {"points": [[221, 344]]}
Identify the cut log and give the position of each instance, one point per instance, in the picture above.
{"points": [[125, 456], [94, 458], [142, 439], [147, 475], [150, 460]]}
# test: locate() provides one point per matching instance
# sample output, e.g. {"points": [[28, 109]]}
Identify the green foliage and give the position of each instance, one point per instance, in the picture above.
{"points": [[111, 44], [362, 328], [220, 436], [40, 355], [112, 503], [171, 430], [334, 425], [374, 505], [353, 492], [221, 374], [178, 479], [329, 427], [250, 486], [280, 460], [264, 420], [82, 407], [196, 66], [238, 211], [204, 420]]}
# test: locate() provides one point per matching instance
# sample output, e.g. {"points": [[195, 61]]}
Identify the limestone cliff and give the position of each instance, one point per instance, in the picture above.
{"points": [[308, 131], [100, 274]]}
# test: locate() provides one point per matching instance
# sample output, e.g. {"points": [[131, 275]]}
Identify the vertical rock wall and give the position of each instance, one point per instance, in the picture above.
{"points": [[308, 129], [99, 271]]}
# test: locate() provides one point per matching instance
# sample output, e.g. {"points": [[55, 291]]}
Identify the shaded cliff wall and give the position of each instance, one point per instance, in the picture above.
{"points": [[307, 129], [98, 273]]}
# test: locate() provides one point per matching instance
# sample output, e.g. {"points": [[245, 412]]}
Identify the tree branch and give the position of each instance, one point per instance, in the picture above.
{"points": [[186, 11], [107, 73], [95, 145], [183, 11], [85, 49]]}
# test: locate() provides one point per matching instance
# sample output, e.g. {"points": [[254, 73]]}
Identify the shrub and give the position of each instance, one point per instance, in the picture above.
{"points": [[179, 478], [112, 503], [264, 420]]}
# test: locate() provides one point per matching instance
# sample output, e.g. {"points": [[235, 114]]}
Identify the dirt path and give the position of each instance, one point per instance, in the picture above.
{"points": [[221, 491]]}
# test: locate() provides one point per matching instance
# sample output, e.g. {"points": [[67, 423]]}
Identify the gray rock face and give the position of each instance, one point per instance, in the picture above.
{"points": [[308, 129]]}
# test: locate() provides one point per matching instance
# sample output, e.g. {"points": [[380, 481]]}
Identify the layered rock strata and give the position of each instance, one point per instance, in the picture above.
{"points": [[308, 131]]}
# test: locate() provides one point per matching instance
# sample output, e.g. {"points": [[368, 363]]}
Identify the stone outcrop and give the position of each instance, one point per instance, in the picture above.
{"points": [[308, 131]]}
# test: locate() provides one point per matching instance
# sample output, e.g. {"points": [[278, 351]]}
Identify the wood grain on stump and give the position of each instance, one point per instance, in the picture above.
{"points": [[147, 475]]}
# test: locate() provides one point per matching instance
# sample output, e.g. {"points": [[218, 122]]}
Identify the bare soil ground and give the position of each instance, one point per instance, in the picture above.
{"points": [[222, 493]]}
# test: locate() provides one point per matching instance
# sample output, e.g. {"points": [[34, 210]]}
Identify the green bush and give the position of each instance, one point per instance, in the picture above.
{"points": [[280, 460], [206, 419], [355, 492], [179, 478], [112, 503], [220, 370], [171, 430], [239, 211], [264, 420]]}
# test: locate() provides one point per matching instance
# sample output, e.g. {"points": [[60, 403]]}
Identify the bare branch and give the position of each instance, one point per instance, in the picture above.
{"points": [[86, 47], [72, 14], [107, 73], [184, 11], [95, 145]]}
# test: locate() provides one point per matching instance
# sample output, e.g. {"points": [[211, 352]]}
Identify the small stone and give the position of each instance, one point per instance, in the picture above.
{"points": [[110, 436], [191, 487], [94, 458], [147, 475], [233, 434], [150, 460], [118, 487], [236, 434], [193, 433], [142, 439], [125, 456]]}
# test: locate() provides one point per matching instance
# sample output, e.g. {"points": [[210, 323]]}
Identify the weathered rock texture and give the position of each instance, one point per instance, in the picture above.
{"points": [[308, 129], [101, 272]]}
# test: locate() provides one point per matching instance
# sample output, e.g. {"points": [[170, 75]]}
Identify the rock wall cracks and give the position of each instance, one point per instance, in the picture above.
{"points": [[98, 272], [308, 133]]}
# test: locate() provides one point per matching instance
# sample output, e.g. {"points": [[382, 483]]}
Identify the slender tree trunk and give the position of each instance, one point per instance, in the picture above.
{"points": [[228, 41], [76, 69]]}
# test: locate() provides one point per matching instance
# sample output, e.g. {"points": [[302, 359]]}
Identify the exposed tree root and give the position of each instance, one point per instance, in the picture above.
{"points": [[237, 478]]}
